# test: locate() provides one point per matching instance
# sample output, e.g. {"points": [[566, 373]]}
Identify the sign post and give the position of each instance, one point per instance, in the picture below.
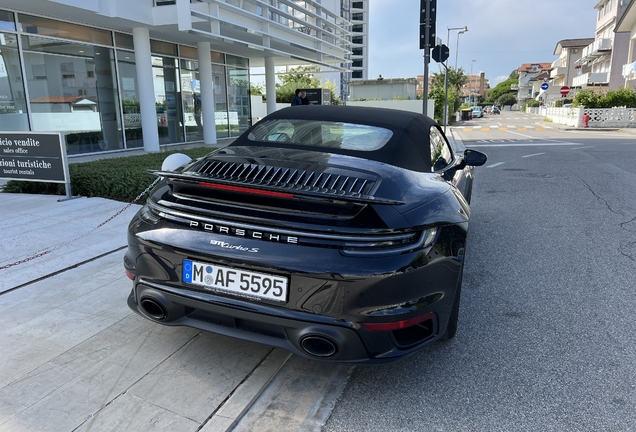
{"points": [[427, 34], [564, 91], [35, 156]]}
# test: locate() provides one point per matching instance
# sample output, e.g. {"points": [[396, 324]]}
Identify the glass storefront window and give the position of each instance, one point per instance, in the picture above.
{"points": [[13, 111], [238, 100], [221, 119], [124, 41], [217, 57], [158, 47], [72, 88], [188, 52], [168, 99], [130, 98], [237, 61], [191, 100], [47, 27], [7, 21]]}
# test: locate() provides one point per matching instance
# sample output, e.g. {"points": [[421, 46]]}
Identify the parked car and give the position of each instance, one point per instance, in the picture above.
{"points": [[336, 232], [477, 112], [495, 110]]}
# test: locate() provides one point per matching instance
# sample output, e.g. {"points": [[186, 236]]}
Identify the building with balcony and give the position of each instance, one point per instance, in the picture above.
{"points": [[566, 67], [527, 72], [118, 74], [476, 86], [602, 60], [627, 26]]}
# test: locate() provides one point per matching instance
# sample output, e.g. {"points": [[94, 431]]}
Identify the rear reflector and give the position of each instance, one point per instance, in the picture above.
{"points": [[399, 324], [130, 275], [246, 190]]}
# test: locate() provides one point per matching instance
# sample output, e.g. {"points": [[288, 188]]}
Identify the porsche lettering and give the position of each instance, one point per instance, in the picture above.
{"points": [[239, 232]]}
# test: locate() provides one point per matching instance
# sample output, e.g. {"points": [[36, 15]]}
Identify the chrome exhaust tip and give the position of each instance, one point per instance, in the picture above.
{"points": [[319, 346], [153, 308]]}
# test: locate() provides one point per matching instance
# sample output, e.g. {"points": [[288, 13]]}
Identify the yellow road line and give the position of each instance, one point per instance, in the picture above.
{"points": [[522, 128], [503, 128], [468, 129], [540, 129], [485, 129]]}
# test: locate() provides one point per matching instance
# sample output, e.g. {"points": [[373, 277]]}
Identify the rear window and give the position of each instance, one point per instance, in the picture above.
{"points": [[312, 133]]}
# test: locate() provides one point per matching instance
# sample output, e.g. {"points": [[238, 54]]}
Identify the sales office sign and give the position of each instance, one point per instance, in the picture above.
{"points": [[33, 156]]}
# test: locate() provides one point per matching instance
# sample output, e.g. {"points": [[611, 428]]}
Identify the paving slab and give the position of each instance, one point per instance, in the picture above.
{"points": [[74, 357]]}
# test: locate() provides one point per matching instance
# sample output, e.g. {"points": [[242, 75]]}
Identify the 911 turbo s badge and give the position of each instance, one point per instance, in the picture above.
{"points": [[227, 245]]}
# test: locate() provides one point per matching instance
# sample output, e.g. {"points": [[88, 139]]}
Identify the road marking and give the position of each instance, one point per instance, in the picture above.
{"points": [[577, 148], [485, 128], [495, 165], [540, 129], [544, 144], [521, 128], [532, 155], [512, 127], [468, 129], [520, 134], [503, 128]]}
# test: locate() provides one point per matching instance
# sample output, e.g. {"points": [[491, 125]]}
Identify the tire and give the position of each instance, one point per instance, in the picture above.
{"points": [[451, 327]]}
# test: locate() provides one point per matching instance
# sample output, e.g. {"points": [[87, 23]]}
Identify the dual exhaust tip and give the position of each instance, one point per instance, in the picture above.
{"points": [[314, 345]]}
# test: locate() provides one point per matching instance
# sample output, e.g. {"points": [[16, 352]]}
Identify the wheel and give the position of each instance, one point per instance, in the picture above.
{"points": [[451, 327]]}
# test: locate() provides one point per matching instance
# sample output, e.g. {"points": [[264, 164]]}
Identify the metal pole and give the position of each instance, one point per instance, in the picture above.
{"points": [[446, 102], [427, 56]]}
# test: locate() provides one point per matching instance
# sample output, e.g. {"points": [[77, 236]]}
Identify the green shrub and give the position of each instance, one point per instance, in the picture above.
{"points": [[121, 178]]}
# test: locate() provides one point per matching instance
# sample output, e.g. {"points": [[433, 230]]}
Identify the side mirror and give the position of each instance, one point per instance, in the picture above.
{"points": [[474, 158]]}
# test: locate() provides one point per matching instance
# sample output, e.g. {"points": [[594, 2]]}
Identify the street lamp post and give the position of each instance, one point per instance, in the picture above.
{"points": [[470, 88], [463, 30], [457, 48]]}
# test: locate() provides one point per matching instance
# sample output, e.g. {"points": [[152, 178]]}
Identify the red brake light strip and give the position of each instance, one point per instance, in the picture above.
{"points": [[399, 324], [246, 190]]}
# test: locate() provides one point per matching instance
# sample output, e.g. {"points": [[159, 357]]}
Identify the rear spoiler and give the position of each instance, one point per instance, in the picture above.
{"points": [[295, 191]]}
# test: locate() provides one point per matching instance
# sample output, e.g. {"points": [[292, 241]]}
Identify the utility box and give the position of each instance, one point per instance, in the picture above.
{"points": [[318, 96]]}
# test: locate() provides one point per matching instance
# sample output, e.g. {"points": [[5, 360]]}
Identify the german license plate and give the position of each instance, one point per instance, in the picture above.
{"points": [[235, 281]]}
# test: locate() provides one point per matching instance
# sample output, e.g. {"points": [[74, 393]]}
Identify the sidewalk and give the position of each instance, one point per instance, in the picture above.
{"points": [[74, 357]]}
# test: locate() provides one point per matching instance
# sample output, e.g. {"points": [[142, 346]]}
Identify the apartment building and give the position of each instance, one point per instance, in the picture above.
{"points": [[527, 73], [627, 26], [567, 69], [601, 62], [119, 74], [476, 86]]}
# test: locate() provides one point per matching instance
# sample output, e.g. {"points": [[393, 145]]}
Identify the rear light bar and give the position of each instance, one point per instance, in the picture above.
{"points": [[399, 324], [130, 275], [246, 190]]}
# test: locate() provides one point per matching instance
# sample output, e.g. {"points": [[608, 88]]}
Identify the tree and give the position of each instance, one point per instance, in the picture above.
{"points": [[506, 99], [504, 87], [334, 98], [256, 89], [514, 75], [300, 77], [456, 79]]}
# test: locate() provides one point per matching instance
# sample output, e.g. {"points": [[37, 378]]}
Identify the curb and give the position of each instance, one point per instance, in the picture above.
{"points": [[229, 414]]}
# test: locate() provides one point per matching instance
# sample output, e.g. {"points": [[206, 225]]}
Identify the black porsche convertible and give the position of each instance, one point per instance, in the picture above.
{"points": [[336, 232]]}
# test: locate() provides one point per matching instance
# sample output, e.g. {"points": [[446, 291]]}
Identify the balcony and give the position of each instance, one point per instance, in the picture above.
{"points": [[590, 78], [629, 70], [294, 30], [557, 72], [514, 86], [594, 50]]}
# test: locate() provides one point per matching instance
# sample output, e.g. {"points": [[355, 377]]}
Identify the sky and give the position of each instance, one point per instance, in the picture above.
{"points": [[502, 34]]}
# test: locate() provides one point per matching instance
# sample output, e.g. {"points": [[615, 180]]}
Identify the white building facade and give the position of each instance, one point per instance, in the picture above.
{"points": [[120, 74]]}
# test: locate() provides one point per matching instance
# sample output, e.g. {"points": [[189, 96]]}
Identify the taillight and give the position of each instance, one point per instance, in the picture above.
{"points": [[246, 190], [399, 324], [130, 275]]}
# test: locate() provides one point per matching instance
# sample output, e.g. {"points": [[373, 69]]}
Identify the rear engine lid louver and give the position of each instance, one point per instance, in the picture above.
{"points": [[287, 178]]}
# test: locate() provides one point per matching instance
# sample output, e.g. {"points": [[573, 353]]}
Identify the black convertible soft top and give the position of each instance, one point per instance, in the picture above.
{"points": [[408, 148]]}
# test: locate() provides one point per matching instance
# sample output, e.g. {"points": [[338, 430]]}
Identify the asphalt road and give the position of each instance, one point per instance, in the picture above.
{"points": [[547, 330]]}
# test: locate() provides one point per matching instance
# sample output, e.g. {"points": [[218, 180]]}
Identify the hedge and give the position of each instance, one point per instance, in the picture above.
{"points": [[121, 178]]}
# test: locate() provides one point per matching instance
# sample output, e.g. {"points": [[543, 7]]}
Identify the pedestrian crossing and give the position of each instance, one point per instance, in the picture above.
{"points": [[501, 128]]}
